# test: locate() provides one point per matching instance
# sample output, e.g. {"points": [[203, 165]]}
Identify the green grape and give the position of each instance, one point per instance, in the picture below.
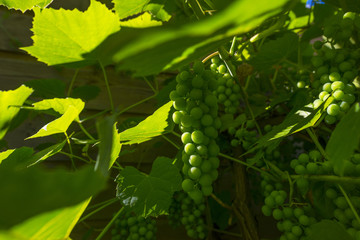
{"points": [[266, 210], [317, 61], [330, 119], [324, 78], [327, 87], [288, 212], [202, 150], [300, 169], [338, 95], [206, 166], [312, 168], [344, 106], [334, 76], [182, 90], [177, 115], [324, 95], [197, 82], [298, 212], [211, 100], [350, 98], [287, 225], [207, 120], [297, 231], [205, 180], [186, 138], [222, 69], [317, 45], [337, 85], [196, 113], [315, 155], [186, 121], [196, 195], [207, 190], [270, 201], [173, 95], [304, 220], [195, 160], [189, 148], [277, 214], [280, 200], [197, 136], [213, 149], [341, 202], [333, 109], [196, 94], [301, 84], [303, 158], [331, 193], [211, 132], [198, 67], [194, 173], [294, 163]]}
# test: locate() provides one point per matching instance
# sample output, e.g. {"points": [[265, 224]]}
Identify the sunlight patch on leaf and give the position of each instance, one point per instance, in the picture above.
{"points": [[25, 5]]}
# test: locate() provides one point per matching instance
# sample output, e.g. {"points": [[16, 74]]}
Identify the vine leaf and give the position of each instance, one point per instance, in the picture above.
{"points": [[9, 107], [55, 224], [59, 105], [154, 125], [62, 36], [46, 153], [125, 8], [25, 5], [29, 191], [328, 230], [142, 21], [149, 195], [109, 146], [344, 140], [59, 125], [296, 120], [177, 45]]}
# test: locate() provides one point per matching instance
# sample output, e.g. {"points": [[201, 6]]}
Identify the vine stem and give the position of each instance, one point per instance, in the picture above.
{"points": [[329, 178], [98, 209], [245, 163], [71, 151], [74, 156], [232, 48], [135, 104], [100, 203], [94, 116], [85, 131], [107, 227], [226, 232], [107, 87], [171, 142], [349, 202], [218, 200], [150, 85], [316, 141], [210, 56], [72, 82]]}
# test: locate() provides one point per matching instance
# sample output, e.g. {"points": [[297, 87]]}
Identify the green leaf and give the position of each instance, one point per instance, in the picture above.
{"points": [[46, 153], [149, 195], [151, 127], [59, 125], [143, 21], [56, 224], [328, 230], [345, 139], [47, 88], [62, 36], [295, 121], [25, 5], [177, 45], [29, 191], [109, 146], [59, 105], [275, 51], [125, 8], [9, 107], [5, 154]]}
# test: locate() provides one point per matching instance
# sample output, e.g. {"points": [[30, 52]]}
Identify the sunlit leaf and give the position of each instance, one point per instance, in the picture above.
{"points": [[62, 36], [25, 5], [9, 107], [46, 153], [151, 127]]}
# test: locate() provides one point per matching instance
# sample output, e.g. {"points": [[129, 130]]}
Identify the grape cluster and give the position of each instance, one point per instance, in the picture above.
{"points": [[228, 91], [197, 115], [336, 68], [343, 213], [131, 227], [245, 136], [190, 214]]}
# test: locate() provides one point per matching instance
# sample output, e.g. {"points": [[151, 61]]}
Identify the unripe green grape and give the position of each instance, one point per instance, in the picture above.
{"points": [[317, 61], [197, 82], [324, 95], [186, 121], [202, 150], [186, 167], [215, 162], [301, 84], [338, 95], [304, 220], [207, 120], [270, 201], [349, 213], [330, 119], [186, 138], [327, 87], [196, 94], [317, 103], [173, 95], [195, 160], [337, 85], [194, 173], [345, 66], [297, 231], [277, 214], [206, 166], [349, 88], [300, 169], [205, 180], [312, 168], [280, 200], [214, 174], [324, 78], [211, 132], [334, 76], [222, 69], [197, 136], [196, 113], [333, 109], [198, 67], [182, 90], [350, 98], [210, 100], [288, 212], [298, 212], [317, 45], [234, 142], [187, 185], [287, 225], [340, 216], [215, 60], [176, 117], [266, 210], [302, 185], [341, 202], [189, 148], [221, 89], [294, 163], [315, 155], [213, 149]]}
